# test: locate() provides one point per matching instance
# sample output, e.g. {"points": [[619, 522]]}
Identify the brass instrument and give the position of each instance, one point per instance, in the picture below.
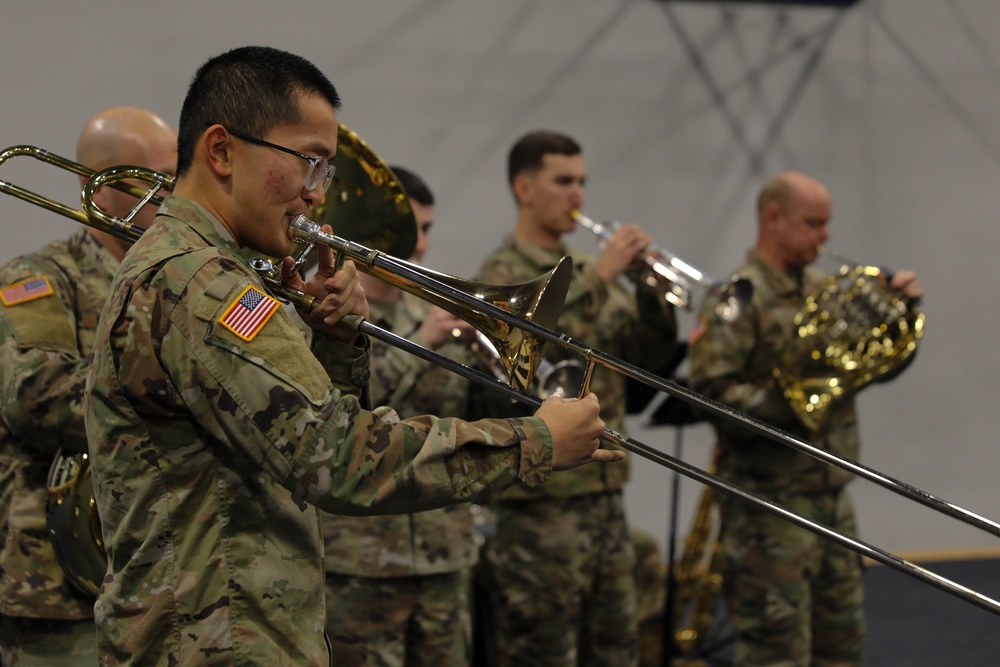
{"points": [[531, 333], [856, 331], [698, 576], [73, 521], [674, 277], [563, 379]]}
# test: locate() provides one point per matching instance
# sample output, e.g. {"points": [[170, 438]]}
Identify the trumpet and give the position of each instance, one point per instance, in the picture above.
{"points": [[471, 304], [672, 276]]}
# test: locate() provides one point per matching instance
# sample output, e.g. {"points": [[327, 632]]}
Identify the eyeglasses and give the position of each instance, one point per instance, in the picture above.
{"points": [[320, 169]]}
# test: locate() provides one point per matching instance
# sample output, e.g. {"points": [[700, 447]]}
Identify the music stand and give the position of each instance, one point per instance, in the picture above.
{"points": [[679, 414]]}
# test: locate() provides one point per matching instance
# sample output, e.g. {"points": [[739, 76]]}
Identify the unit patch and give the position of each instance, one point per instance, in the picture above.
{"points": [[26, 290], [248, 314]]}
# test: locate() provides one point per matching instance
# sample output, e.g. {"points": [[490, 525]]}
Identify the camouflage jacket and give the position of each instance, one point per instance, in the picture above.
{"points": [[46, 343], [733, 364], [638, 327], [211, 452], [422, 543]]}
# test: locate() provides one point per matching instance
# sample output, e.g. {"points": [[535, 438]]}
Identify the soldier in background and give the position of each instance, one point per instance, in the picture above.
{"points": [[397, 585], [51, 302], [794, 597], [561, 562]]}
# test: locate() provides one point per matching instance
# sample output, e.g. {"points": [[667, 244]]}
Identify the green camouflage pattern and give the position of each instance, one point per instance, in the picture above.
{"points": [[650, 586], [418, 621], [395, 592], [733, 364], [401, 545], [211, 455], [43, 642], [562, 574], [795, 598], [46, 346], [639, 328], [782, 582]]}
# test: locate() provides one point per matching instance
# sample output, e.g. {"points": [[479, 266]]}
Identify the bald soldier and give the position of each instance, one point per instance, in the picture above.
{"points": [[794, 597], [51, 301]]}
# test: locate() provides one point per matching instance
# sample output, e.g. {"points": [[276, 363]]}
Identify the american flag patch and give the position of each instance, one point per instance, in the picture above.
{"points": [[26, 290], [249, 313]]}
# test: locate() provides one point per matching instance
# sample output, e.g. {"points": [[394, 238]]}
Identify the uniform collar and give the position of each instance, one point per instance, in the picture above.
{"points": [[545, 259], [85, 246], [779, 282], [203, 223]]}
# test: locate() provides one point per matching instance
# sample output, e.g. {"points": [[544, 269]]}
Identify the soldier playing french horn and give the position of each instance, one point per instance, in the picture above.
{"points": [[795, 598]]}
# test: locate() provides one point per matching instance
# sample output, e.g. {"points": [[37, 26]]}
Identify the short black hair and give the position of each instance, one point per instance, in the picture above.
{"points": [[529, 151], [248, 89], [413, 185]]}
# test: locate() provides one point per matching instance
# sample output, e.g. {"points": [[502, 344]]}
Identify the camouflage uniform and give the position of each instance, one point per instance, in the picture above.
{"points": [[650, 585], [396, 586], [47, 344], [795, 598], [562, 561], [211, 454]]}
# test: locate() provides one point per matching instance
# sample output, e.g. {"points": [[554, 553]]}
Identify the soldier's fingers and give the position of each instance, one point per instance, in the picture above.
{"points": [[607, 456]]}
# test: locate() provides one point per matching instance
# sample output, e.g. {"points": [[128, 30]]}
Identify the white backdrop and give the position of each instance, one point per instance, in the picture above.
{"points": [[897, 116]]}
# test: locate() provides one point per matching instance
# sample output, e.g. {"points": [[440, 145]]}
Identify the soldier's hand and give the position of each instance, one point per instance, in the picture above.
{"points": [[907, 283], [621, 251], [337, 295], [440, 327], [575, 425]]}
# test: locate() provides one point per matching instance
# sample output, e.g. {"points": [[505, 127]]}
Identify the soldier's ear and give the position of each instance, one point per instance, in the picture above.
{"points": [[772, 214], [217, 145], [522, 186]]}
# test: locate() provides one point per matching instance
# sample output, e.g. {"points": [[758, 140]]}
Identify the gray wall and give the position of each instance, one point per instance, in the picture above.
{"points": [[897, 116]]}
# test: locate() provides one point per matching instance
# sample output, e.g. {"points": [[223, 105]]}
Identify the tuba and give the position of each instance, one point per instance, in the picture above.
{"points": [[856, 331]]}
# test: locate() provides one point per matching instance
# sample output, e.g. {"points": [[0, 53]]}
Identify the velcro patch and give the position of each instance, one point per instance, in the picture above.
{"points": [[26, 290], [248, 314], [697, 331]]}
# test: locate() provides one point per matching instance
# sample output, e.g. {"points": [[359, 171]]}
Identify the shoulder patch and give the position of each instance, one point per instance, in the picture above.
{"points": [[26, 290], [697, 331], [248, 314]]}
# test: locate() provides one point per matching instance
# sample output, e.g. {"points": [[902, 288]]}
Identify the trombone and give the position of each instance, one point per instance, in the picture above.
{"points": [[432, 285]]}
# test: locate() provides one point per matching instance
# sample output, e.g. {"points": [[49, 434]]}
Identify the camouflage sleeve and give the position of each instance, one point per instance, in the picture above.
{"points": [[587, 295], [347, 366], [722, 356], [396, 373], [271, 400], [42, 374]]}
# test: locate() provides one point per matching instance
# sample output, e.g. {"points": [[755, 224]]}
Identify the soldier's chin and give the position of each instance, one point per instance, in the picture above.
{"points": [[276, 249]]}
